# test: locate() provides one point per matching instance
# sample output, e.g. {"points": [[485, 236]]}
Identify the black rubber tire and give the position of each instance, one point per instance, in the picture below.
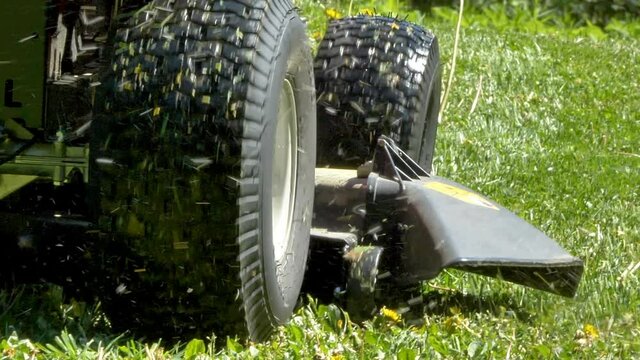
{"points": [[376, 76], [183, 161]]}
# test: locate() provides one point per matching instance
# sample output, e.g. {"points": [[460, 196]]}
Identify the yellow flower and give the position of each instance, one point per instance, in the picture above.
{"points": [[586, 336], [590, 331], [333, 13], [455, 321], [390, 314], [317, 35], [367, 12], [9, 352], [452, 323]]}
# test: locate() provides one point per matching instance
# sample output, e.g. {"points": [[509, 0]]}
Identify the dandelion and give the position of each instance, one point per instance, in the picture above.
{"points": [[367, 12], [333, 14], [590, 331], [456, 320], [586, 336], [390, 314], [9, 352], [452, 323]]}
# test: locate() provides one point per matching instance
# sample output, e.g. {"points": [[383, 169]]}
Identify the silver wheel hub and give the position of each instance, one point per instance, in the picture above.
{"points": [[285, 166]]}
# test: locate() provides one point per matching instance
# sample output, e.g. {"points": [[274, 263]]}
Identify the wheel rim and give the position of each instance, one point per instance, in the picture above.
{"points": [[285, 163]]}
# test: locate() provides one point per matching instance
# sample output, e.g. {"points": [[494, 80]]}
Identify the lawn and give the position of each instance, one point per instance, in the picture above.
{"points": [[546, 121]]}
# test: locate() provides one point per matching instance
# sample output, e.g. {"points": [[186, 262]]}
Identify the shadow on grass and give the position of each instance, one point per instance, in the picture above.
{"points": [[41, 311], [440, 303]]}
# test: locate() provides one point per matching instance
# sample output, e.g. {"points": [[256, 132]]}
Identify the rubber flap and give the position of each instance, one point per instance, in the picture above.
{"points": [[451, 226]]}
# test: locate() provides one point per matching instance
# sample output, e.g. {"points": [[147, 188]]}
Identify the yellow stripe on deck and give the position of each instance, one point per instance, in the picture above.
{"points": [[460, 194]]}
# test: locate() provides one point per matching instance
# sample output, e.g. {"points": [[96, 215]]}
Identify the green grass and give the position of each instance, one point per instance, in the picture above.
{"points": [[554, 135]]}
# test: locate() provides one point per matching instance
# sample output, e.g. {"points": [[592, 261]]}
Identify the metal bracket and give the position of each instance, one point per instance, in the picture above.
{"points": [[393, 163], [363, 274], [53, 161]]}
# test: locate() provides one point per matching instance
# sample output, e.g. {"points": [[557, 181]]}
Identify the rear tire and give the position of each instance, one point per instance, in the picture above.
{"points": [[376, 76], [204, 228]]}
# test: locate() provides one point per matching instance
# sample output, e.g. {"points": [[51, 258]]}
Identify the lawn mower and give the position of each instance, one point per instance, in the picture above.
{"points": [[189, 164]]}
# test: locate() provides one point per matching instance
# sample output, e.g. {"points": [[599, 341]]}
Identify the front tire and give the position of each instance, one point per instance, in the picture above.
{"points": [[204, 164]]}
